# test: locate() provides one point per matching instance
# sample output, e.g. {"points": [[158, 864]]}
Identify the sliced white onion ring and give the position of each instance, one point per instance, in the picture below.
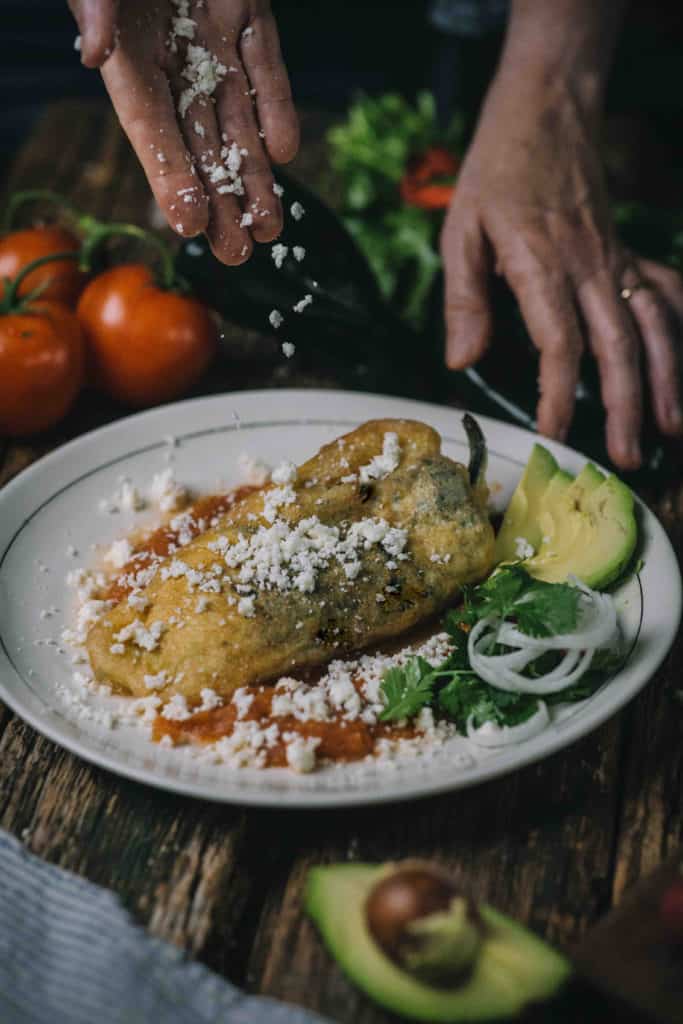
{"points": [[597, 627], [491, 735]]}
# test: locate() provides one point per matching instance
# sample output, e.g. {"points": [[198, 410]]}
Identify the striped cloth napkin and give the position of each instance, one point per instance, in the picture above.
{"points": [[71, 954]]}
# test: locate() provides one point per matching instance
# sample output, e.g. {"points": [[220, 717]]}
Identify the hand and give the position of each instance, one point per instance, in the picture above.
{"points": [[530, 204], [183, 115]]}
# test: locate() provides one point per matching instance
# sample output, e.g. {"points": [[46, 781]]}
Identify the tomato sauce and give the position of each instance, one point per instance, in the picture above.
{"points": [[340, 739]]}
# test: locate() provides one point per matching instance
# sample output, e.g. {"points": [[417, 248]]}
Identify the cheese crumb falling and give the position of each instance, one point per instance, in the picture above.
{"points": [[276, 318], [300, 306], [288, 349], [382, 465], [77, 44], [278, 189], [298, 252], [297, 211], [279, 252]]}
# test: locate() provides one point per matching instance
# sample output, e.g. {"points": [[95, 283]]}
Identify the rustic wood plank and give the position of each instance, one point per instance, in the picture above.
{"points": [[537, 844], [651, 825], [226, 884]]}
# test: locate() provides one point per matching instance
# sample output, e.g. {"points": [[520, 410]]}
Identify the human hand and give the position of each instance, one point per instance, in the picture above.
{"points": [[203, 95], [531, 204]]}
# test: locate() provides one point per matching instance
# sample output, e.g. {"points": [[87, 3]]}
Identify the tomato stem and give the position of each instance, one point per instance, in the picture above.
{"points": [[34, 195], [96, 232], [10, 301]]}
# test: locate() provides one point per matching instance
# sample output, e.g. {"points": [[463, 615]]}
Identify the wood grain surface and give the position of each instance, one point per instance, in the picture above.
{"points": [[555, 845]]}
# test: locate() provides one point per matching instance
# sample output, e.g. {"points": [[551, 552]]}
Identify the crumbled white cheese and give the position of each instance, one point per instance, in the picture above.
{"points": [[284, 473], [283, 557], [176, 710], [210, 699], [300, 752], [247, 220], [279, 254], [203, 71], [300, 306], [382, 465], [242, 700], [523, 549], [156, 682], [245, 606], [297, 211], [276, 318], [146, 638], [298, 252], [126, 498], [275, 499], [77, 44], [165, 492], [253, 471], [288, 349], [119, 553], [278, 189]]}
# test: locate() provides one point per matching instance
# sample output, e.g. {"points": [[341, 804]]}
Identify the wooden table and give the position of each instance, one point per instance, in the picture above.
{"points": [[555, 845]]}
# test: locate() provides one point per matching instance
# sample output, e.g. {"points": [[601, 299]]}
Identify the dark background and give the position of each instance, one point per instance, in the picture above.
{"points": [[334, 50]]}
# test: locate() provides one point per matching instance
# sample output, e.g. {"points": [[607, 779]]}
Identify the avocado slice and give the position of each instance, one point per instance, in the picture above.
{"points": [[513, 967], [584, 527], [522, 515], [589, 532]]}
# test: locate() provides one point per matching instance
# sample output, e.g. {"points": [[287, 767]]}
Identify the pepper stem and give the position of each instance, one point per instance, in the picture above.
{"points": [[10, 301]]}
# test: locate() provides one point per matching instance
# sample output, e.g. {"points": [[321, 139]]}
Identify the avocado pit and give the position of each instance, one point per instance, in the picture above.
{"points": [[420, 921]]}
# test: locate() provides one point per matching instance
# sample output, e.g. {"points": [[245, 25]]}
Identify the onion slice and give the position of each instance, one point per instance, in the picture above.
{"points": [[597, 627], [491, 735]]}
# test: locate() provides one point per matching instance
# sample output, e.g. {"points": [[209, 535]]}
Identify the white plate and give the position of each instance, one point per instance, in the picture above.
{"points": [[54, 504]]}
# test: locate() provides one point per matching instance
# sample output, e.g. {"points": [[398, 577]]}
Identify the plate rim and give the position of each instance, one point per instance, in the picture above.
{"points": [[305, 798]]}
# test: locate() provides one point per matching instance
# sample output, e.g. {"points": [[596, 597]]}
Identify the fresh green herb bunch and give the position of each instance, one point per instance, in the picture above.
{"points": [[453, 690], [370, 153]]}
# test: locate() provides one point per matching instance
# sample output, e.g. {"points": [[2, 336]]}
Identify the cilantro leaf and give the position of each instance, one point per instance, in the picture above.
{"points": [[406, 690], [467, 696], [538, 608]]}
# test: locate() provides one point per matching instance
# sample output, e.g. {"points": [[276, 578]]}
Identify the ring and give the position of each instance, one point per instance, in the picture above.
{"points": [[628, 292]]}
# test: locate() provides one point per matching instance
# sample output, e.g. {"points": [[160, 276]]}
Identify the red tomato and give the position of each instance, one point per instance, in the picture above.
{"points": [[42, 367], [63, 280], [145, 345], [671, 911], [421, 185]]}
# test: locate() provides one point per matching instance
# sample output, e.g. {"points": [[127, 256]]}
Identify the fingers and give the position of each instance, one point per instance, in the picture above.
{"points": [[657, 327], [263, 63], [614, 342], [219, 168], [547, 304], [147, 114], [262, 211], [466, 260], [97, 25]]}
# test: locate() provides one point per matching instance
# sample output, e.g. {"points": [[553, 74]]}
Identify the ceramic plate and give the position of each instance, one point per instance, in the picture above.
{"points": [[52, 509]]}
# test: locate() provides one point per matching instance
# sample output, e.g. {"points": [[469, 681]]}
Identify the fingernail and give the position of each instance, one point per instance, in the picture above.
{"points": [[676, 417], [633, 452]]}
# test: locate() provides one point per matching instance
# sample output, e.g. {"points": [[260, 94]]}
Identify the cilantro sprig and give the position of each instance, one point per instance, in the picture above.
{"points": [[454, 690]]}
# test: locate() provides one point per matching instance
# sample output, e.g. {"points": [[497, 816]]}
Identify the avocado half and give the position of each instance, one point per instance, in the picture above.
{"points": [[513, 967], [585, 527]]}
